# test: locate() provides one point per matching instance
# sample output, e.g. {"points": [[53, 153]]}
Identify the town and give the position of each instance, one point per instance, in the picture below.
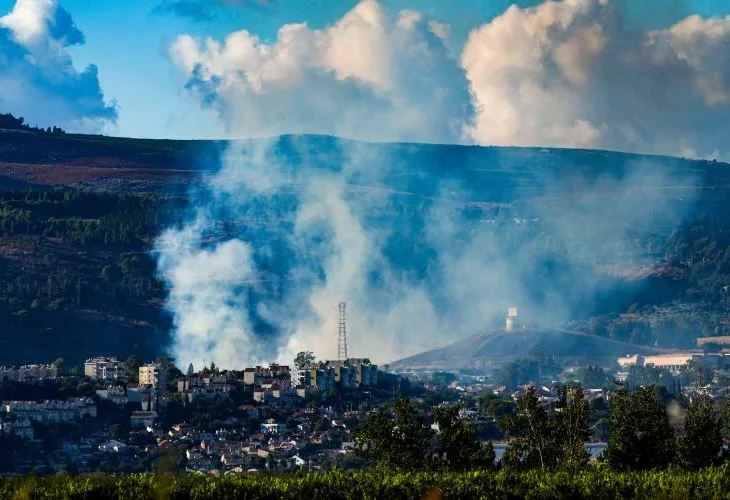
{"points": [[129, 416]]}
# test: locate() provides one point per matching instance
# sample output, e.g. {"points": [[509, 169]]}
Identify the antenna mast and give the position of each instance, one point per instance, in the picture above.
{"points": [[342, 332]]}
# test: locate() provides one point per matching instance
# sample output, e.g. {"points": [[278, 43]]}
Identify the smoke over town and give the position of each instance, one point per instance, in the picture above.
{"points": [[426, 244]]}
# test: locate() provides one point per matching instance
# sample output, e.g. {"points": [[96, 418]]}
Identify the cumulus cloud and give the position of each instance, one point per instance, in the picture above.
{"points": [[37, 77], [368, 76], [570, 73]]}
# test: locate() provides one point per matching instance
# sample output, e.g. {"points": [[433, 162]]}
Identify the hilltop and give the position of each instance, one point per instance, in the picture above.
{"points": [[495, 348]]}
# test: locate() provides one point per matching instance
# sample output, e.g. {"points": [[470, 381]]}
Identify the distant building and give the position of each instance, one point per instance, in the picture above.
{"points": [[723, 341], [671, 362], [103, 368], [210, 387], [274, 375], [271, 427], [28, 373], [53, 411], [349, 373], [142, 419], [113, 393], [511, 318], [155, 375], [21, 427]]}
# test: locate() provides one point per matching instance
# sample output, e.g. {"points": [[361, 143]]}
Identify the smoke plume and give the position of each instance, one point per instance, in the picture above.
{"points": [[427, 244]]}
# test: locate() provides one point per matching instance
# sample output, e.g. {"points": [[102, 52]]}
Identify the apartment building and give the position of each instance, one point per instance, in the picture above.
{"points": [[108, 369]]}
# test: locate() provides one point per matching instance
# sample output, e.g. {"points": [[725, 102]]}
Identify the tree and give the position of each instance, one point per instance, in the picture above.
{"points": [[702, 443], [640, 436], [548, 437], [458, 446], [531, 438], [399, 443], [304, 360], [132, 367], [572, 417]]}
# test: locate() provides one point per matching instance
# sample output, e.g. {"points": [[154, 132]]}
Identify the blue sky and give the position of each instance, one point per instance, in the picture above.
{"points": [[128, 41]]}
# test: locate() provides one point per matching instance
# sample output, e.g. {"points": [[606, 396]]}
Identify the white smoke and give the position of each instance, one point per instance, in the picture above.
{"points": [[547, 75]]}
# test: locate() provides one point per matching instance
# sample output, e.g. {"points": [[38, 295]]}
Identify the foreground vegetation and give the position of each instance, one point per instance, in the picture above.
{"points": [[596, 483]]}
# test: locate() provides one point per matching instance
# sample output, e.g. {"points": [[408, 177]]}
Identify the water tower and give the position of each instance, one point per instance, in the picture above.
{"points": [[511, 317]]}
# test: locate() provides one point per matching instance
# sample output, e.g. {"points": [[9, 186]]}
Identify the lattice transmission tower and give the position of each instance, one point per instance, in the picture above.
{"points": [[342, 332]]}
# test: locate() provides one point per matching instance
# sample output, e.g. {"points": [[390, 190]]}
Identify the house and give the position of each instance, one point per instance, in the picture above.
{"points": [[104, 368], [154, 375], [236, 460], [271, 427], [22, 427], [182, 428], [28, 373], [113, 393], [142, 419], [273, 374], [53, 411], [112, 446], [285, 448]]}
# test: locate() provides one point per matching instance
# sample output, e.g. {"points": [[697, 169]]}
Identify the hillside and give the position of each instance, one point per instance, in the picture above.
{"points": [[497, 347], [78, 215]]}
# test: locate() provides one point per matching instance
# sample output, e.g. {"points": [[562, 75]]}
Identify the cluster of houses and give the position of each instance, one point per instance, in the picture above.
{"points": [[19, 415], [273, 431], [28, 373]]}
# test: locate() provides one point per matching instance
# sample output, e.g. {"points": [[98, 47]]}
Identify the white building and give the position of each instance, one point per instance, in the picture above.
{"points": [[28, 373], [103, 368], [53, 411], [272, 427]]}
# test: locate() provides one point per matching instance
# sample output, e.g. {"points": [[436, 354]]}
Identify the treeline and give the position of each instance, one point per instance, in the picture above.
{"points": [[8, 121], [87, 219], [550, 436]]}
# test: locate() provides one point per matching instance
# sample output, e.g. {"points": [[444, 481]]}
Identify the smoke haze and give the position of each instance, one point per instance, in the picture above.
{"points": [[429, 244]]}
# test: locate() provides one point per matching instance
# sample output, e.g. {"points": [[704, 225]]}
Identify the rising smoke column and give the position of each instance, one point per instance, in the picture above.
{"points": [[289, 227]]}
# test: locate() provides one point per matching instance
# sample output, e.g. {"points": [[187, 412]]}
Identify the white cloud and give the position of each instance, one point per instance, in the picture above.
{"points": [[571, 74], [564, 73], [367, 76], [37, 77]]}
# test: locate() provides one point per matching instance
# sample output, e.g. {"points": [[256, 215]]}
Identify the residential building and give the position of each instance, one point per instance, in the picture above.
{"points": [[28, 373], [21, 427], [210, 387], [155, 375], [271, 427], [271, 375], [142, 419], [53, 411], [113, 393], [723, 341], [671, 362], [104, 368]]}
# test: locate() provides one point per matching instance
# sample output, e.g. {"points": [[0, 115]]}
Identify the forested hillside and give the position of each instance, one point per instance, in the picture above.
{"points": [[76, 276], [78, 215]]}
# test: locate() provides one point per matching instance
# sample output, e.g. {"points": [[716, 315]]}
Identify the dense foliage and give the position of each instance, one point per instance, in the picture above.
{"points": [[10, 122], [74, 262], [595, 483]]}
